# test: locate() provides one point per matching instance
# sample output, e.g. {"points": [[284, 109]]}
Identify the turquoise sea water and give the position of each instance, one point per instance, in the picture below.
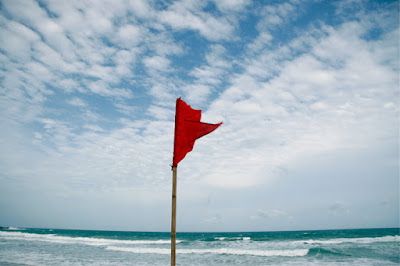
{"points": [[82, 247]]}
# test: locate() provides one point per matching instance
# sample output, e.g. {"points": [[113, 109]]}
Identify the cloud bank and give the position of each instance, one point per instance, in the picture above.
{"points": [[309, 101]]}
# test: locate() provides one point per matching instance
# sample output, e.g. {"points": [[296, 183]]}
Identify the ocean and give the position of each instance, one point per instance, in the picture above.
{"points": [[83, 247]]}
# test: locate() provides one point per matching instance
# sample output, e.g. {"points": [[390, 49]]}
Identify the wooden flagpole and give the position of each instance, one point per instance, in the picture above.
{"points": [[173, 222]]}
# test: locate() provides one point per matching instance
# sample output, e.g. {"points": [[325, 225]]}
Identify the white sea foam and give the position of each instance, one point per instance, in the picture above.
{"points": [[266, 253], [246, 238], [363, 240], [77, 240], [13, 228]]}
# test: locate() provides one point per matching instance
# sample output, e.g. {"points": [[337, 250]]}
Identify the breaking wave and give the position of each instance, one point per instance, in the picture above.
{"points": [[77, 240], [364, 240], [232, 238], [266, 253]]}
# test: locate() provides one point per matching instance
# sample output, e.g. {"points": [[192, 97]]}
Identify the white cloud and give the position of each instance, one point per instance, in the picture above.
{"points": [[157, 63], [128, 36], [16, 39], [70, 85], [161, 113], [98, 21], [141, 8], [216, 57], [126, 109], [103, 89], [196, 93], [164, 45], [94, 128], [208, 76], [29, 12], [274, 15], [212, 220], [312, 105], [162, 90], [77, 102], [124, 57], [269, 214], [189, 15], [261, 42], [53, 60], [229, 5]]}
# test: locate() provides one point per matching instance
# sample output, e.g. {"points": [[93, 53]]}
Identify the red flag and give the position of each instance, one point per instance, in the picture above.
{"points": [[188, 128]]}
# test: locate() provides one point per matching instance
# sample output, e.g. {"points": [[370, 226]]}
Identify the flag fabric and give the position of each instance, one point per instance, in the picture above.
{"points": [[188, 128]]}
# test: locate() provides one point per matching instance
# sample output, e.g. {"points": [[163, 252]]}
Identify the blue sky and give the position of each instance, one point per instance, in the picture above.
{"points": [[308, 92]]}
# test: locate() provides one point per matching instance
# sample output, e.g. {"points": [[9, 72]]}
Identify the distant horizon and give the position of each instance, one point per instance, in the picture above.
{"points": [[19, 228]]}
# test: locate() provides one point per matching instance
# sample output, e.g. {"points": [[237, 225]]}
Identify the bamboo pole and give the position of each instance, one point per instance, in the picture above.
{"points": [[173, 222]]}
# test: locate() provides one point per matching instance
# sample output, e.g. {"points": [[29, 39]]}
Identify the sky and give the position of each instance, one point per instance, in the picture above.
{"points": [[308, 92]]}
